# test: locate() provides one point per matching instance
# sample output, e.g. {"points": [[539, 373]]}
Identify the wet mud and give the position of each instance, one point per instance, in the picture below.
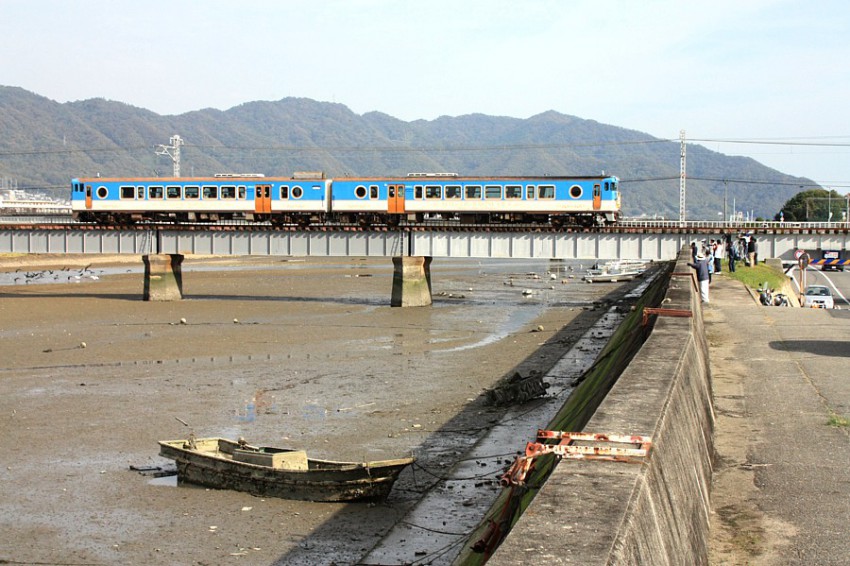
{"points": [[307, 354]]}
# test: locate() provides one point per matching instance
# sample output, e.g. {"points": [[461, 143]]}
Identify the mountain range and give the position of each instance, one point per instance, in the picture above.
{"points": [[46, 143]]}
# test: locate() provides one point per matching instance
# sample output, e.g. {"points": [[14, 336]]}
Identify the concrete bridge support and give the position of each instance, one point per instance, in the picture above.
{"points": [[411, 281], [163, 277]]}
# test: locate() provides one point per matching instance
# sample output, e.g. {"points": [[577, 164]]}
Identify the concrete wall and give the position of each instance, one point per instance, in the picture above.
{"points": [[655, 512]]}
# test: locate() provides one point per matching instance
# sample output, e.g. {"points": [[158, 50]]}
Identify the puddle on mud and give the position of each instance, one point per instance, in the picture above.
{"points": [[164, 481]]}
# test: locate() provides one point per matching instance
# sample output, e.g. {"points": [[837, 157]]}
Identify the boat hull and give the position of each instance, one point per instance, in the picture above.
{"points": [[211, 464]]}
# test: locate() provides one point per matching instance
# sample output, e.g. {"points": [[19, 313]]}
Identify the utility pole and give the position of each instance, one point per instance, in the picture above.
{"points": [[173, 151], [682, 212]]}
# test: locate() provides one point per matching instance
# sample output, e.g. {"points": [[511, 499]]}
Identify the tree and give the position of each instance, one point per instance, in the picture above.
{"points": [[814, 205]]}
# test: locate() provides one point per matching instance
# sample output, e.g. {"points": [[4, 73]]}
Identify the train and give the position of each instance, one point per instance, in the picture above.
{"points": [[310, 198]]}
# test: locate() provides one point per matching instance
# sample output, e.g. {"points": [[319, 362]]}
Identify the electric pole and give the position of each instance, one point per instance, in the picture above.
{"points": [[173, 151], [682, 211]]}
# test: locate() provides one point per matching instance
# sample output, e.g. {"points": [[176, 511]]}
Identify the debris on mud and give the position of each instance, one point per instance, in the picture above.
{"points": [[518, 389]]}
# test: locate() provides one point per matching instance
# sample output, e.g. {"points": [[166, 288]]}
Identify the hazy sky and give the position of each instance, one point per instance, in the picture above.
{"points": [[750, 70]]}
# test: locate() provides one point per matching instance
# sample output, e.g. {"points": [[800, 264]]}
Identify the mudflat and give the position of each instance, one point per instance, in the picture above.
{"points": [[283, 352]]}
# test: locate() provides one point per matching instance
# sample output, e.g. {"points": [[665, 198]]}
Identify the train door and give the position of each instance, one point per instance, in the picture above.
{"points": [[88, 197], [395, 199], [597, 197], [263, 199]]}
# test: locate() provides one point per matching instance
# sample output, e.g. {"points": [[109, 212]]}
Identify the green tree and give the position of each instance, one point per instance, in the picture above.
{"points": [[814, 205]]}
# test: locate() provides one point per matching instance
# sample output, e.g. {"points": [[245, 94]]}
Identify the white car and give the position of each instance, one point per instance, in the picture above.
{"points": [[818, 297]]}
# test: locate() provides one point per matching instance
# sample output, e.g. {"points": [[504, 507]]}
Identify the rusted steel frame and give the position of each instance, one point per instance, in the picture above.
{"points": [[592, 436], [576, 452], [681, 313], [516, 474]]}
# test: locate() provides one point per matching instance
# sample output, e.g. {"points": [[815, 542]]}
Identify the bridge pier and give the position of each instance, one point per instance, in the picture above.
{"points": [[411, 281], [163, 277]]}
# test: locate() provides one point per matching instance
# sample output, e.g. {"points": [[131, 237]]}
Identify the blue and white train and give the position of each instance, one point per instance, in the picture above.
{"points": [[311, 198]]}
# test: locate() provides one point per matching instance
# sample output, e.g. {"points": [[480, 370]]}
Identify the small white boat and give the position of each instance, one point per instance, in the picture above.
{"points": [[615, 271]]}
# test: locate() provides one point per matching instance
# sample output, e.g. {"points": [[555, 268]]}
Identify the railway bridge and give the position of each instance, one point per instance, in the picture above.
{"points": [[163, 246]]}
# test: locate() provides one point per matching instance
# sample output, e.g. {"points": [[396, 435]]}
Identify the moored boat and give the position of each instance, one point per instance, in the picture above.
{"points": [[279, 472], [614, 271]]}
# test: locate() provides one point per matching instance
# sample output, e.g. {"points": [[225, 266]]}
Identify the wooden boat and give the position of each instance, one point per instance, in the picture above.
{"points": [[279, 472]]}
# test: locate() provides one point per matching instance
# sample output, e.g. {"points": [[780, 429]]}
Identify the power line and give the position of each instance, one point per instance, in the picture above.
{"points": [[774, 142], [375, 149], [403, 149]]}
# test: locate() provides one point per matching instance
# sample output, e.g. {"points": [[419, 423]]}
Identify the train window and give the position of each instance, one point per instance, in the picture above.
{"points": [[513, 191], [240, 191], [529, 192], [607, 188], [210, 191], [140, 193], [546, 191], [191, 191], [360, 191], [575, 191], [228, 191], [128, 192], [373, 192], [433, 191], [473, 192], [297, 192], [453, 191], [102, 192], [493, 191], [284, 192], [172, 191], [417, 191], [155, 192]]}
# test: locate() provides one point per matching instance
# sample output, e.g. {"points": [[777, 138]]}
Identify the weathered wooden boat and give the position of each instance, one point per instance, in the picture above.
{"points": [[279, 472]]}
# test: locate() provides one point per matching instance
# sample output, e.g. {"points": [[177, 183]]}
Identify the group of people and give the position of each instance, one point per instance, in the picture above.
{"points": [[707, 257]]}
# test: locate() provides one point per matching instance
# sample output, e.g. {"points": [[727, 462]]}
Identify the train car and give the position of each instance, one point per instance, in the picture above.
{"points": [[200, 199], [309, 197], [586, 201]]}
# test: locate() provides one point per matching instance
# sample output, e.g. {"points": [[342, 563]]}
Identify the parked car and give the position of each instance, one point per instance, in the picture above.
{"points": [[818, 297]]}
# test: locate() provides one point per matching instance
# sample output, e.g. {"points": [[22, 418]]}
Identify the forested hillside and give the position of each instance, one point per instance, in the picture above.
{"points": [[45, 144]]}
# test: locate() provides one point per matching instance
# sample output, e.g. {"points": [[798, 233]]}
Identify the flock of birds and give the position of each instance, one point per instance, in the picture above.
{"points": [[64, 275]]}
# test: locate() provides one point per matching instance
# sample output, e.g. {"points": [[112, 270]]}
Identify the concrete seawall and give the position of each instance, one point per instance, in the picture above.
{"points": [[654, 511]]}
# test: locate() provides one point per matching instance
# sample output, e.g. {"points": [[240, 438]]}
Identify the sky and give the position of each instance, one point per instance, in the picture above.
{"points": [[768, 79]]}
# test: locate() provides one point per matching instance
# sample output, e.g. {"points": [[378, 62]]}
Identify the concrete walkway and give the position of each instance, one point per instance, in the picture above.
{"points": [[781, 492]]}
